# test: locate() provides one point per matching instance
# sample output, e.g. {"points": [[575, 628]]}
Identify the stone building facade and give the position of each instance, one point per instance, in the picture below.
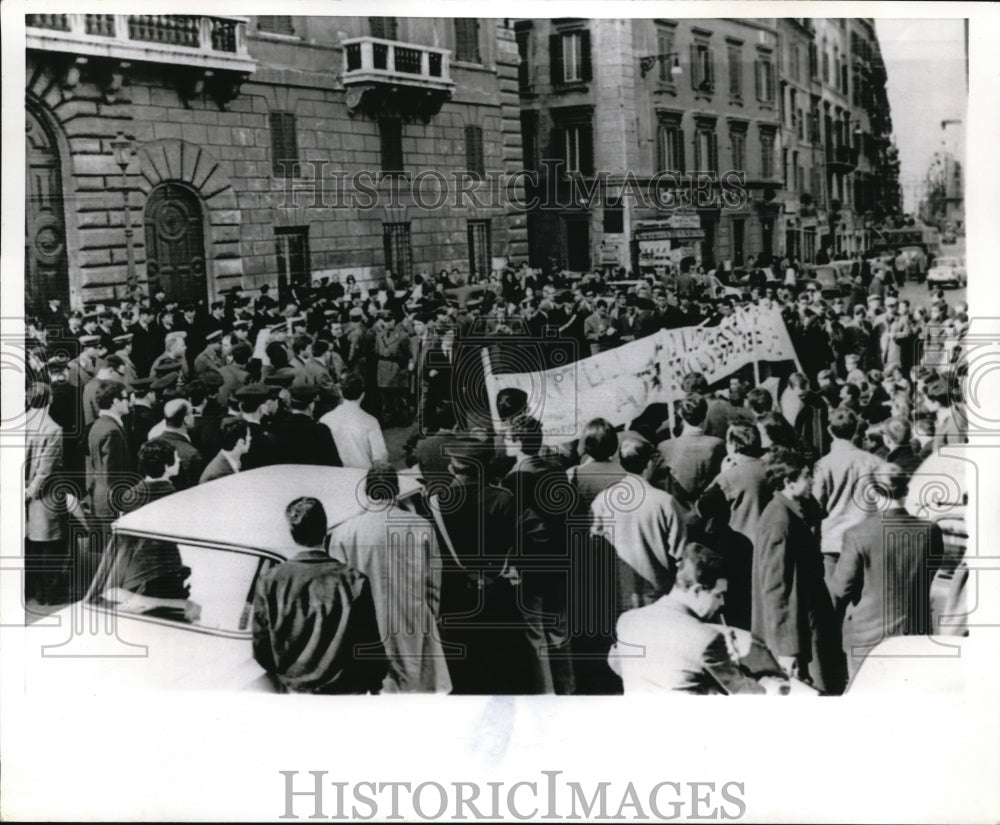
{"points": [[265, 150]]}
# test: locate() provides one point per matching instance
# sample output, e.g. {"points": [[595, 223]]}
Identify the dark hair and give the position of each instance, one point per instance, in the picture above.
{"points": [[700, 565], [108, 393], [760, 401], [745, 438], [196, 392], [843, 423], [353, 387], [778, 430], [600, 439], [300, 342], [634, 453], [853, 390], [277, 355], [511, 402], [307, 521], [231, 432], [784, 465], [320, 347], [115, 362], [693, 408], [382, 482], [155, 456], [527, 432]]}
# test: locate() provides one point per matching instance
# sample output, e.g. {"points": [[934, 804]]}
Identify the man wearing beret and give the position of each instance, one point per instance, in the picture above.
{"points": [[300, 438]]}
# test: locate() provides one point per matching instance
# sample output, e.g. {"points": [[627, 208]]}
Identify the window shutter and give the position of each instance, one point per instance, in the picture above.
{"points": [[556, 59], [474, 159], [586, 71], [713, 148], [695, 68], [756, 75], [284, 145], [711, 69], [557, 147], [586, 149], [276, 23], [679, 138], [697, 150]]}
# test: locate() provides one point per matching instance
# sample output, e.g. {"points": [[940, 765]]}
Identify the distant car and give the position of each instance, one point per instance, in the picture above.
{"points": [[915, 259], [834, 278], [947, 271], [171, 604]]}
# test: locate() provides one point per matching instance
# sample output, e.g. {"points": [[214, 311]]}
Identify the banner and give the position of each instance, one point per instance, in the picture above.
{"points": [[620, 383]]}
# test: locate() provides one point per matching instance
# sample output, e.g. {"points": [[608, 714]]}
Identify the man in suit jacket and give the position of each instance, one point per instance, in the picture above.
{"points": [[693, 458], [301, 439], [147, 341], [670, 645], [177, 418], [159, 462], [883, 578], [107, 462], [235, 435]]}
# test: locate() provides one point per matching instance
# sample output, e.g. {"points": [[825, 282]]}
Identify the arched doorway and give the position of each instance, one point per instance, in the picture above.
{"points": [[175, 243], [46, 274]]}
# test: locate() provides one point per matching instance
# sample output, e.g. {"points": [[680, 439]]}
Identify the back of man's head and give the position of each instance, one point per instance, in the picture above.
{"points": [[231, 432], [634, 452], [693, 408], [307, 521], [745, 438], [155, 456], [700, 565], [353, 387], [843, 423], [760, 401], [527, 432], [898, 430], [108, 393]]}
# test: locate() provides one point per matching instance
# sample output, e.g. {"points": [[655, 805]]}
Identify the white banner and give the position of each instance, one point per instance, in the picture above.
{"points": [[620, 383]]}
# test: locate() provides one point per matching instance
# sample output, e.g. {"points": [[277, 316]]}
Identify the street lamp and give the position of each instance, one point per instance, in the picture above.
{"points": [[647, 63], [121, 149]]}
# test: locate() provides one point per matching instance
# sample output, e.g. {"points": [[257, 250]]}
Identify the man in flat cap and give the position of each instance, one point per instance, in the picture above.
{"points": [[300, 438]]}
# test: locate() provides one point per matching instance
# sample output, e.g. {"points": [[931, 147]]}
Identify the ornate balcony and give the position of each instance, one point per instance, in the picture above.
{"points": [[212, 48], [408, 78], [841, 158]]}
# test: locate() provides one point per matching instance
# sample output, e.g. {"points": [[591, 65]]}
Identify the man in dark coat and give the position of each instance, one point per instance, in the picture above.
{"points": [[263, 445], [107, 462], [177, 418], [693, 458], [312, 613], [884, 574], [300, 438], [147, 341], [159, 462]]}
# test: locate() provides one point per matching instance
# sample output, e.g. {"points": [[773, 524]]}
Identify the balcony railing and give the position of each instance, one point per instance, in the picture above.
{"points": [[374, 60], [202, 41], [843, 156]]}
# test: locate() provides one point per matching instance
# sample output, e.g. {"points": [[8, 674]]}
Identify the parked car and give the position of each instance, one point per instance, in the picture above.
{"points": [[833, 278], [947, 271], [171, 604]]}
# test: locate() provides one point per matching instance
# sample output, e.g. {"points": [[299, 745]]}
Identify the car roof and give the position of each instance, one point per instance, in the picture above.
{"points": [[247, 509]]}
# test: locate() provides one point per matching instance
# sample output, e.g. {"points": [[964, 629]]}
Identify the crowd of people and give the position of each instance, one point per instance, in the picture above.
{"points": [[765, 501]]}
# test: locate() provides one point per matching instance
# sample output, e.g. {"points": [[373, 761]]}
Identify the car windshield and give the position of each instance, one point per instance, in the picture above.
{"points": [[946, 262], [200, 586]]}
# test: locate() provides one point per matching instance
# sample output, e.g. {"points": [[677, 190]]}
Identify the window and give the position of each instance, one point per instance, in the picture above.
{"points": [[826, 66], [479, 249], [572, 140], [665, 45], [801, 126], [391, 135], [702, 68], [669, 145], [843, 78], [398, 253], [524, 60], [706, 149], [474, 160], [614, 220], [383, 27], [284, 145], [569, 55], [792, 108], [291, 246], [795, 61], [739, 232], [767, 154], [739, 142], [529, 139], [784, 168], [813, 61], [467, 40], [796, 173], [765, 80], [275, 24], [735, 73]]}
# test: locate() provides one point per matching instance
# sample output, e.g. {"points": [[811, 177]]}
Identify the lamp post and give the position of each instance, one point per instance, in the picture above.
{"points": [[121, 148], [647, 63]]}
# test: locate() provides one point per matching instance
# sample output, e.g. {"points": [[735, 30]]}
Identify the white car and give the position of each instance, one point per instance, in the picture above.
{"points": [[171, 604], [947, 271]]}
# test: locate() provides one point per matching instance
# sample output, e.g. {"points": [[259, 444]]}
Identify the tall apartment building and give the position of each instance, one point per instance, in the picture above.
{"points": [[243, 130], [620, 102]]}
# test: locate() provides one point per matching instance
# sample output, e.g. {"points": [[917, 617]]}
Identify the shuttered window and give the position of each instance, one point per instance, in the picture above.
{"points": [[284, 145], [702, 68], [479, 248], [735, 73], [475, 161], [275, 23], [669, 146], [467, 39], [739, 141], [765, 80], [391, 136], [569, 56], [706, 150], [529, 138], [572, 143]]}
